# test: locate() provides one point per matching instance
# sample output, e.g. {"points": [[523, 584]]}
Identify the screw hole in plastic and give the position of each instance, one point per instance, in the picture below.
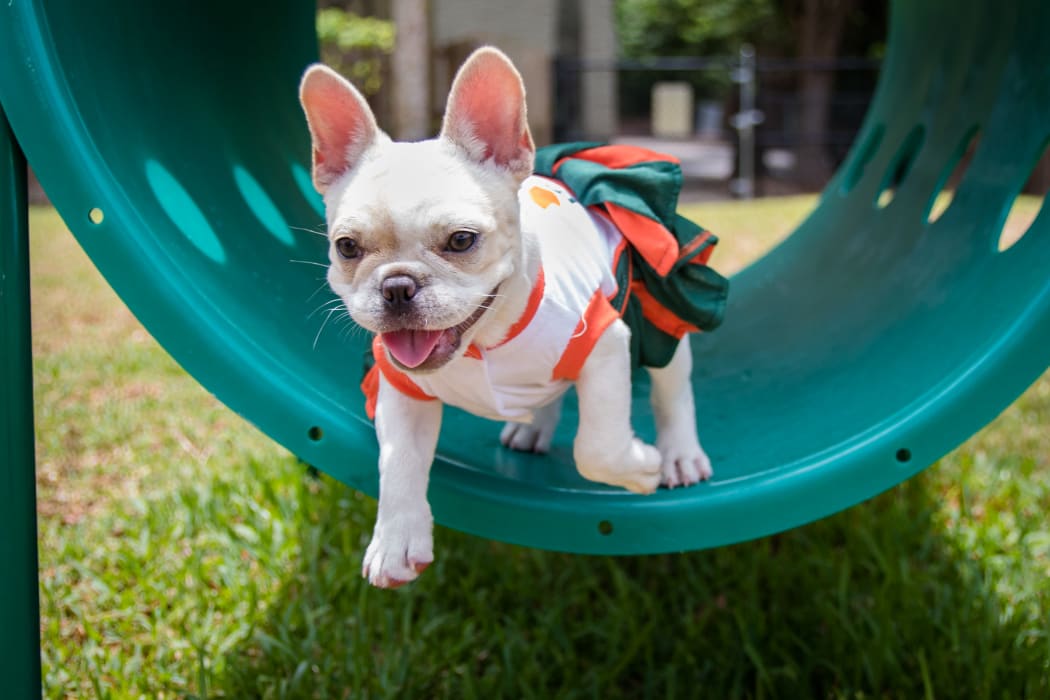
{"points": [[605, 527], [96, 215], [315, 433], [904, 455]]}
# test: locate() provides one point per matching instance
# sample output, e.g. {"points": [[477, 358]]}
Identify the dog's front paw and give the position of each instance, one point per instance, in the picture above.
{"points": [[401, 548], [683, 462], [635, 468]]}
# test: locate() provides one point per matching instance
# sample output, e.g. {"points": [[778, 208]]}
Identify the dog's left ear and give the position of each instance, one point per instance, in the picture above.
{"points": [[485, 115], [342, 126]]}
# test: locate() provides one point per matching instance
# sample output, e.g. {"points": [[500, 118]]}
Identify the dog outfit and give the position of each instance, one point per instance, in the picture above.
{"points": [[612, 246]]}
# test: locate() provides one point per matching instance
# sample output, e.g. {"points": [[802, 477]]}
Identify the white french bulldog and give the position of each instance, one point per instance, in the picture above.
{"points": [[431, 250]]}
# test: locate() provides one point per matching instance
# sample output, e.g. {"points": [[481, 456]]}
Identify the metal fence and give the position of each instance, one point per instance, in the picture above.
{"points": [[752, 105]]}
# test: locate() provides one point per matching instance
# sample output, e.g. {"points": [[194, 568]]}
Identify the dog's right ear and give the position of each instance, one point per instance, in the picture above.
{"points": [[341, 123]]}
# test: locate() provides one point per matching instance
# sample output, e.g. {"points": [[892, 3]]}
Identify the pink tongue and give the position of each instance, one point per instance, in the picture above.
{"points": [[411, 347]]}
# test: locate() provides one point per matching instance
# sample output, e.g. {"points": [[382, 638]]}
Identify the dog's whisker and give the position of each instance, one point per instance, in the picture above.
{"points": [[324, 285], [327, 306], [333, 300], [484, 305], [309, 262], [351, 329], [321, 329], [329, 303], [322, 234]]}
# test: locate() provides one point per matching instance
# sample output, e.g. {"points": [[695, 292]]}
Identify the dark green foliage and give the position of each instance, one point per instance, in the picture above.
{"points": [[695, 27]]}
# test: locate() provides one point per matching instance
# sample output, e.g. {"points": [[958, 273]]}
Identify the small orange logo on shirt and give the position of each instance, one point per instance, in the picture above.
{"points": [[544, 197]]}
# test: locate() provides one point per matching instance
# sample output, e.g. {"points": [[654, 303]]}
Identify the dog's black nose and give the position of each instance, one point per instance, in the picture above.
{"points": [[398, 290]]}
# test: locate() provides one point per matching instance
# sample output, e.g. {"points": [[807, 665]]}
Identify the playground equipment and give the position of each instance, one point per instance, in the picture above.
{"points": [[866, 346]]}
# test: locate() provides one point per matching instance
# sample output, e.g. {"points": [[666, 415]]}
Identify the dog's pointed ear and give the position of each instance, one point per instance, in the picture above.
{"points": [[342, 125], [485, 115]]}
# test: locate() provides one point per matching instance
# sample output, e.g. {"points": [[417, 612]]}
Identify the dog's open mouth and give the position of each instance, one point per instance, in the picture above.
{"points": [[423, 349], [412, 347]]}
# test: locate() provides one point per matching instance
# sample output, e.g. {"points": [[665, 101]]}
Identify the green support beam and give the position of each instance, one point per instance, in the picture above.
{"points": [[19, 597]]}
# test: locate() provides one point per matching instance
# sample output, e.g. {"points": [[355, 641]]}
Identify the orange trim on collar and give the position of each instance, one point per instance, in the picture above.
{"points": [[598, 316], [535, 297], [395, 377], [370, 388]]}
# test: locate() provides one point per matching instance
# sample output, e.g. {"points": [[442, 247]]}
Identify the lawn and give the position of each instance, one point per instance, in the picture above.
{"points": [[182, 553]]}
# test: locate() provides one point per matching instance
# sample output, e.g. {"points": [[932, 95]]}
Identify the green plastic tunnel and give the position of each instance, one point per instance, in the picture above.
{"points": [[853, 355]]}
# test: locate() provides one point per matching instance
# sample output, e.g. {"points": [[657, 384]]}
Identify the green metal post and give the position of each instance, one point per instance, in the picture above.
{"points": [[19, 593]]}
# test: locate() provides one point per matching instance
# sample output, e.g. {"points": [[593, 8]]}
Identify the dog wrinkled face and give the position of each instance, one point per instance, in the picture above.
{"points": [[423, 235], [420, 243]]}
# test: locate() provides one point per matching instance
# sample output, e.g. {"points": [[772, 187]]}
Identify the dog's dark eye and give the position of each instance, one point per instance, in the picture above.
{"points": [[461, 241], [347, 248]]}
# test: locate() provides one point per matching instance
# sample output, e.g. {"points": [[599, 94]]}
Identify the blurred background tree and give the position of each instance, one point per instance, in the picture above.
{"points": [[359, 47], [694, 27], [687, 28]]}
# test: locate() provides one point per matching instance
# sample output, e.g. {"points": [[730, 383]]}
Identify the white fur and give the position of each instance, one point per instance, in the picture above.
{"points": [[402, 544], [399, 201]]}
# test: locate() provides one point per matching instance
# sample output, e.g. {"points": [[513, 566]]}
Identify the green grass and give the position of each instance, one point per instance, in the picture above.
{"points": [[184, 554]]}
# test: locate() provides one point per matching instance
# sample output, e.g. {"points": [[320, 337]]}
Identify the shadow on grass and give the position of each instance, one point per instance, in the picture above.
{"points": [[878, 600]]}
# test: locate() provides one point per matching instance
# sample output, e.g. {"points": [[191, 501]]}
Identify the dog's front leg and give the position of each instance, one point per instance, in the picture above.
{"points": [[606, 449], [402, 544]]}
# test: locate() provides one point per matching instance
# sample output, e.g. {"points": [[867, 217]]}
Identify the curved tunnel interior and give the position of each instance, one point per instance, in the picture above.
{"points": [[846, 357]]}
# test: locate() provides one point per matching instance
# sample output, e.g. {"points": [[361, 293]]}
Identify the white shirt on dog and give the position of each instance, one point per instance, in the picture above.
{"points": [[567, 312]]}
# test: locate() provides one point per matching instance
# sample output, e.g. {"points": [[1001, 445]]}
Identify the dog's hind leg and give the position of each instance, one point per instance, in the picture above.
{"points": [[684, 461], [535, 436]]}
